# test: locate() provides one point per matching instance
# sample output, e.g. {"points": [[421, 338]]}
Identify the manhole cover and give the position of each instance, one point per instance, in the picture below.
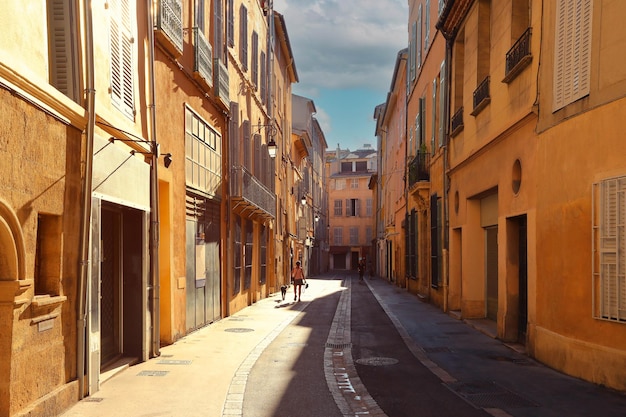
{"points": [[239, 330], [377, 361], [152, 373]]}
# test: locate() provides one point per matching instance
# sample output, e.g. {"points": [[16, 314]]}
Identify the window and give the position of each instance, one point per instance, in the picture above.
{"points": [[412, 52], [352, 207], [354, 183], [609, 249], [237, 255], [369, 209], [48, 255], [263, 254], [121, 50], [230, 29], [361, 166], [340, 184], [200, 15], [411, 243], [255, 59], [426, 25], [368, 234], [218, 35], [263, 80], [419, 37], [572, 51], [338, 207], [442, 102], [436, 243], [62, 57], [338, 236], [354, 235], [248, 252], [243, 37], [433, 132], [203, 154], [346, 167]]}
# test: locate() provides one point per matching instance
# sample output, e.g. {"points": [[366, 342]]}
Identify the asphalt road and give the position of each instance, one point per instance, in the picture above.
{"points": [[289, 379]]}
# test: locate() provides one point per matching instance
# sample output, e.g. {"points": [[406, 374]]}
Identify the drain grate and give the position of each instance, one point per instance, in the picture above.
{"points": [[486, 394], [174, 362], [239, 330], [153, 373], [437, 349], [338, 345], [92, 399], [377, 361]]}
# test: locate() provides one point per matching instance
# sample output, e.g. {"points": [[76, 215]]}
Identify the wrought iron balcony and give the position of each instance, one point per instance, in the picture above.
{"points": [[169, 22], [457, 122], [518, 57], [250, 195], [203, 57], [481, 96], [419, 168]]}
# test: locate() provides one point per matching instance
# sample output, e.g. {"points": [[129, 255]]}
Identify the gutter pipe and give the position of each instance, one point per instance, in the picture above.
{"points": [[154, 193], [90, 94]]}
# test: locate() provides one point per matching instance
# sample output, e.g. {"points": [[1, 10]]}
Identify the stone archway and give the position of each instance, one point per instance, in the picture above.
{"points": [[11, 245], [12, 284]]}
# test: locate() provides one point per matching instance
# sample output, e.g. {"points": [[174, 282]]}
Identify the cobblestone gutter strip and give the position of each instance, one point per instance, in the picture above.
{"points": [[344, 383]]}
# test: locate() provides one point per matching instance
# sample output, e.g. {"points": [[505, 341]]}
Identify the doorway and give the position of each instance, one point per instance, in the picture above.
{"points": [[121, 277], [491, 271]]}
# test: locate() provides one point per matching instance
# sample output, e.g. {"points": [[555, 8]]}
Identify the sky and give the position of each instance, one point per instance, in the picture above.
{"points": [[345, 52]]}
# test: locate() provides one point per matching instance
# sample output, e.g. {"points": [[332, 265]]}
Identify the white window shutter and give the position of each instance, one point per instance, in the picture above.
{"points": [[572, 48], [121, 57]]}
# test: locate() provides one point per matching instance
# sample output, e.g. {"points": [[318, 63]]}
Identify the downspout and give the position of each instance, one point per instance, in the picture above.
{"points": [[90, 96], [154, 194], [446, 180]]}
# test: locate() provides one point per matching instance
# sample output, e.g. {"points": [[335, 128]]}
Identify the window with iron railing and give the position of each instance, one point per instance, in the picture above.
{"points": [[456, 122], [170, 21], [481, 96], [518, 57], [203, 57], [419, 168]]}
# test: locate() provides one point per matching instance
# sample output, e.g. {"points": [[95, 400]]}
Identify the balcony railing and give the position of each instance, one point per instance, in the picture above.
{"points": [[419, 168], [481, 96], [170, 23], [203, 57], [220, 82], [457, 122], [518, 57], [250, 195]]}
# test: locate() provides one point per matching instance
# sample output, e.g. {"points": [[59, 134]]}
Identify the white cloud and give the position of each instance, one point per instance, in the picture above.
{"points": [[323, 119], [345, 43]]}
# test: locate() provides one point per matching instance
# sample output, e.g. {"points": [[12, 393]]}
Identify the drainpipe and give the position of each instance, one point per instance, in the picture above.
{"points": [[446, 180], [90, 95], [154, 194]]}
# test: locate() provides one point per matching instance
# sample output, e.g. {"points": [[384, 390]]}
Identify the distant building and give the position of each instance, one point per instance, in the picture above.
{"points": [[351, 205]]}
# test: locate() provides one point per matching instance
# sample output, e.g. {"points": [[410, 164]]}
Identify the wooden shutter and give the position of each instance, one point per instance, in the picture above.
{"points": [[418, 45], [230, 31], [121, 57], [572, 48], [61, 48], [254, 64], [218, 36], [243, 37], [247, 147], [442, 102]]}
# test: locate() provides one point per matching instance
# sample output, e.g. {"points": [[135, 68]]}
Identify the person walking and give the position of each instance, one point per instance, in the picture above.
{"points": [[297, 276], [361, 269]]}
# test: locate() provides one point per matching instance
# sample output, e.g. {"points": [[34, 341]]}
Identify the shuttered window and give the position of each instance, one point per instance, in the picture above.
{"points": [[413, 52], [442, 102], [419, 37], [62, 48], [243, 37], [426, 25], [230, 31], [121, 50], [572, 50], [254, 64], [609, 249]]}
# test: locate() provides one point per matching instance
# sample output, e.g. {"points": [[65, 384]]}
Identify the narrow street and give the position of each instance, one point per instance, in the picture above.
{"points": [[349, 348]]}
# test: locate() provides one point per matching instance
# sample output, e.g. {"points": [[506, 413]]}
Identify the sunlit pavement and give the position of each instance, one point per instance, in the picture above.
{"points": [[345, 351]]}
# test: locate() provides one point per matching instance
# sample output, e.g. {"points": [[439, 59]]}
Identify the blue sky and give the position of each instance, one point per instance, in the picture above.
{"points": [[345, 52]]}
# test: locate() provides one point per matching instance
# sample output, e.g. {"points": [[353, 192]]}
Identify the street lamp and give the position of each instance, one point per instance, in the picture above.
{"points": [[303, 200], [272, 148]]}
